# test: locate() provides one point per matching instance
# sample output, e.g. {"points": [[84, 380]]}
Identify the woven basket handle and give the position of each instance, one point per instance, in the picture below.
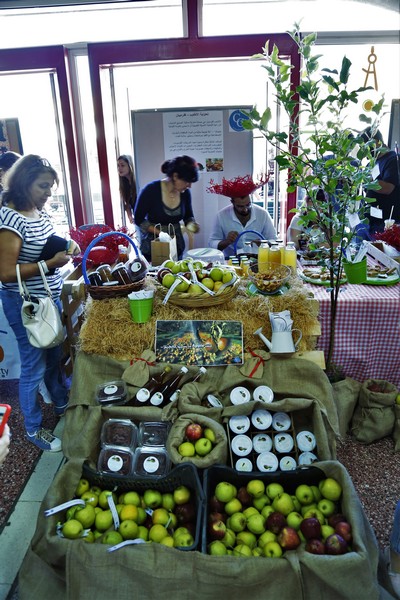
{"points": [[95, 242], [243, 232]]}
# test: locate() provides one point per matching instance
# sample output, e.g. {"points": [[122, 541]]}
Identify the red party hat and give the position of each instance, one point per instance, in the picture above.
{"points": [[238, 187]]}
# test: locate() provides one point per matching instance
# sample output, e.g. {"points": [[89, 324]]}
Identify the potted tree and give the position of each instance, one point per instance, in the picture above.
{"points": [[322, 154]]}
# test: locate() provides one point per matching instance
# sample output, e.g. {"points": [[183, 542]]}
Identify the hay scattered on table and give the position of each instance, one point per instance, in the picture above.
{"points": [[108, 329]]}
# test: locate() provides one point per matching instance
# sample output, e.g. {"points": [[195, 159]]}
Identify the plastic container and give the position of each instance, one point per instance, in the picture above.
{"points": [[306, 441], [112, 393], [244, 464], [262, 443], [184, 474], [239, 424], [267, 462], [283, 443], [287, 463], [263, 393], [153, 433], [240, 395], [151, 461], [307, 458], [116, 460], [281, 421], [261, 419], [241, 445], [119, 432]]}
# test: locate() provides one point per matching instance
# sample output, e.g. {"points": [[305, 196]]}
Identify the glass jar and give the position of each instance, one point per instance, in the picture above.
{"points": [[263, 257]]}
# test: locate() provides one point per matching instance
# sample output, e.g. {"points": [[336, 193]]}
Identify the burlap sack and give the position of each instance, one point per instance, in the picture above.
{"points": [[396, 429], [70, 569], [345, 394], [176, 436], [374, 417]]}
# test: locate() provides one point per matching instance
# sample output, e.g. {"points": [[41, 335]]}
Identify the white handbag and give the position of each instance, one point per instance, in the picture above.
{"points": [[40, 316]]}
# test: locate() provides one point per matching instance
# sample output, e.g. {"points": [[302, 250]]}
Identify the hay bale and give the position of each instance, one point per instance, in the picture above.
{"points": [[108, 329]]}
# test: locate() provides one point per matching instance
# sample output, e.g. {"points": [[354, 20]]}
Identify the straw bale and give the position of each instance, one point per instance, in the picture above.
{"points": [[108, 329]]}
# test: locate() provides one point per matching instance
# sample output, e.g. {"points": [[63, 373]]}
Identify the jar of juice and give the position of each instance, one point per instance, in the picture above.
{"points": [[263, 257], [275, 254], [290, 256]]}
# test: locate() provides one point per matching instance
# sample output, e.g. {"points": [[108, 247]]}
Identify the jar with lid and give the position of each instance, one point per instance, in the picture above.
{"points": [[290, 256], [275, 254], [263, 256], [105, 273]]}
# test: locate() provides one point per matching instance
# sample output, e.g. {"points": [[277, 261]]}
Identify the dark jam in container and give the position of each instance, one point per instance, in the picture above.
{"points": [[95, 278], [138, 269], [115, 460], [105, 272], [112, 392], [121, 274], [119, 432], [151, 461]]}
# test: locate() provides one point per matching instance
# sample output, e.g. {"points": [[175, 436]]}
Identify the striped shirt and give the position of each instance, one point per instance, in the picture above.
{"points": [[34, 233]]}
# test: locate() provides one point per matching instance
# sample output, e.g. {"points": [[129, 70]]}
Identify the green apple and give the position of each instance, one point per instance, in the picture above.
{"points": [[142, 515], [112, 538], [183, 286], [229, 538], [264, 538], [210, 435], [257, 551], [233, 506], [260, 502], [304, 494], [168, 264], [186, 449], [217, 548], [129, 529], [316, 492], [143, 533], [216, 274], [272, 550], [248, 538], [267, 510], [294, 520], [181, 494], [273, 489], [326, 531], [236, 522], [217, 285], [330, 489], [398, 399], [83, 486], [227, 276], [103, 498], [152, 498], [195, 289], [183, 540], [203, 446], [184, 266], [225, 491], [176, 268], [250, 510], [307, 507], [256, 488], [132, 497], [256, 524], [208, 282], [283, 503], [314, 512], [85, 515], [161, 515], [168, 280], [168, 501], [157, 533], [297, 505], [327, 507], [242, 550], [180, 531]]}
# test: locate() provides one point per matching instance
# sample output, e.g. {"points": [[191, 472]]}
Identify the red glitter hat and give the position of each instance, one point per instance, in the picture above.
{"points": [[238, 187]]}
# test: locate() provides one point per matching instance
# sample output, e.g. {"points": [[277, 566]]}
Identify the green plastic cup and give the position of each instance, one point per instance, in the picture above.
{"points": [[141, 309], [356, 272]]}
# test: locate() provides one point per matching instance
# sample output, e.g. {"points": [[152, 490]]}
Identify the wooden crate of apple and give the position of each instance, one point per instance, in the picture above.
{"points": [[199, 441], [262, 519], [167, 518], [213, 277]]}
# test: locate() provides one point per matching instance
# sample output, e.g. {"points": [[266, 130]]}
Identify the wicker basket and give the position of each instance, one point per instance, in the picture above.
{"points": [[204, 300], [99, 292]]}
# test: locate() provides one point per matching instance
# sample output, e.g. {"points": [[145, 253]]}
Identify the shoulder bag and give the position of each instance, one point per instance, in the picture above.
{"points": [[40, 316]]}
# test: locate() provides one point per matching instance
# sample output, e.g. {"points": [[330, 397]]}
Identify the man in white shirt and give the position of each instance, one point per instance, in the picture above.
{"points": [[240, 216]]}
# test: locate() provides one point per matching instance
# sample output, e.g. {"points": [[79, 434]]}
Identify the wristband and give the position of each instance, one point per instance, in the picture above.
{"points": [[44, 266]]}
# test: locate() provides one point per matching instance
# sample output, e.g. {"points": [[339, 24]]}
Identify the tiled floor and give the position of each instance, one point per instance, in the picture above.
{"points": [[16, 536]]}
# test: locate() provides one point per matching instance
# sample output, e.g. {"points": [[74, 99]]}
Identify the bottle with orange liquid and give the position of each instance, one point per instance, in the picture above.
{"points": [[290, 256], [275, 254], [263, 257]]}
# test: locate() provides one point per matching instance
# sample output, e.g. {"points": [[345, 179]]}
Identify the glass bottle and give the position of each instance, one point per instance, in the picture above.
{"points": [[152, 386], [290, 256], [168, 387], [190, 379], [263, 257], [275, 254]]}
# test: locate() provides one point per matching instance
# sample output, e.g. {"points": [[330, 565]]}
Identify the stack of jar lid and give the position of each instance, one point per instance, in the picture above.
{"points": [[267, 442], [128, 450]]}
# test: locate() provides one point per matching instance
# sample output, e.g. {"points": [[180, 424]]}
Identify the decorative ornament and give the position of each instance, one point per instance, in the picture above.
{"points": [[238, 187], [372, 58]]}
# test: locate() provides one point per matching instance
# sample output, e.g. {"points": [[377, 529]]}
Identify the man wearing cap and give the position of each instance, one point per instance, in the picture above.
{"points": [[240, 216]]}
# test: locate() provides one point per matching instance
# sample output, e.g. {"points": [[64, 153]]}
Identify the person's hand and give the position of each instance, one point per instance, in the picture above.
{"points": [[73, 248], [193, 227], [59, 260], [4, 444], [231, 237]]}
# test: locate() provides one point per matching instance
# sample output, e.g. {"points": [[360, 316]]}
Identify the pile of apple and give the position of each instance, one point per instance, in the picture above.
{"points": [[151, 516], [264, 520], [212, 277], [198, 441]]}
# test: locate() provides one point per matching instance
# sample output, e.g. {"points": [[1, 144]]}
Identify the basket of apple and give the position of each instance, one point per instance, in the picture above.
{"points": [[253, 514], [193, 283], [197, 439]]}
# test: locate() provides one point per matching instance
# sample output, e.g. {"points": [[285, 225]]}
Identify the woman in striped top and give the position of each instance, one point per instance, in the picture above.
{"points": [[24, 230]]}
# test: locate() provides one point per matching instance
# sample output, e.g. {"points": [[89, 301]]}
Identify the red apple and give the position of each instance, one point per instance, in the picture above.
{"points": [[217, 516], [185, 512], [275, 522], [216, 505], [193, 432], [315, 546], [216, 530], [244, 496], [335, 544], [310, 528], [344, 530], [336, 518], [288, 538]]}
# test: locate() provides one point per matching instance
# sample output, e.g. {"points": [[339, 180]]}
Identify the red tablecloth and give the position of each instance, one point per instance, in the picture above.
{"points": [[367, 335]]}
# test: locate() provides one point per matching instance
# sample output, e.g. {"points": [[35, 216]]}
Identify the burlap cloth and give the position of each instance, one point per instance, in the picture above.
{"points": [[70, 569]]}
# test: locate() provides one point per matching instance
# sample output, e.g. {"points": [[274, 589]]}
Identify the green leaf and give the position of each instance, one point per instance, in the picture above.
{"points": [[345, 70]]}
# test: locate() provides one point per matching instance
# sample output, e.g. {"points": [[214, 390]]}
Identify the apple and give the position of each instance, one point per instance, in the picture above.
{"points": [[296, 503], [256, 488], [336, 518], [203, 446], [176, 268], [185, 513], [275, 522], [327, 507], [266, 537], [267, 510], [251, 510], [262, 501], [335, 544], [256, 524], [330, 489], [217, 285], [193, 432], [398, 399], [307, 508], [216, 505], [315, 546], [186, 449], [161, 272], [344, 530], [210, 435], [304, 494], [233, 506], [183, 286], [225, 491], [314, 512], [272, 550], [217, 516], [257, 551], [242, 550], [217, 548], [288, 538], [152, 498], [294, 520], [273, 489], [316, 492], [248, 538], [216, 274], [310, 527], [184, 540], [195, 289], [326, 531], [229, 539], [283, 503], [168, 501], [228, 276], [181, 494], [168, 280], [217, 530], [237, 522], [244, 496]]}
